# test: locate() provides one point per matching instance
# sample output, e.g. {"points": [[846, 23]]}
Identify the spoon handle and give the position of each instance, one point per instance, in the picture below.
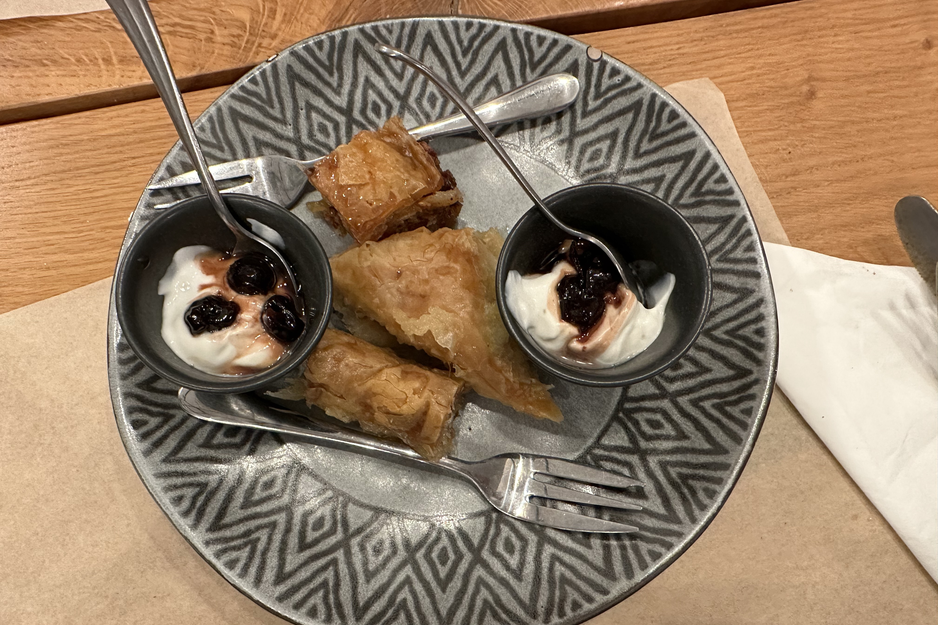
{"points": [[481, 128], [623, 268], [137, 20]]}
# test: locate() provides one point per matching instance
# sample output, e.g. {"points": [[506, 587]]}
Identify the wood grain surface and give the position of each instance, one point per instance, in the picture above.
{"points": [[833, 99], [86, 61], [68, 187], [573, 17]]}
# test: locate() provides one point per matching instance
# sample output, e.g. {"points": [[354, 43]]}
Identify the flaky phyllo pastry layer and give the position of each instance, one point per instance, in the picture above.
{"points": [[436, 291], [352, 380], [384, 181]]}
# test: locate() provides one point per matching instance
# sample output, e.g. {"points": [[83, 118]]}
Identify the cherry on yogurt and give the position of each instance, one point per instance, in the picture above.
{"points": [[252, 275], [211, 314], [281, 320], [583, 296]]}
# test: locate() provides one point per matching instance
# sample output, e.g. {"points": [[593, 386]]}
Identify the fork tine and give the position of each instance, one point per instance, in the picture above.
{"points": [[561, 493], [221, 171], [563, 520], [588, 475]]}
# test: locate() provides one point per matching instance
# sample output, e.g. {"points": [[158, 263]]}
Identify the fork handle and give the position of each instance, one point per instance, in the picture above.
{"points": [[248, 410], [540, 97]]}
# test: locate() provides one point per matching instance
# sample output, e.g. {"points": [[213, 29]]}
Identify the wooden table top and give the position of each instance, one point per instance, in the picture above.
{"points": [[834, 100], [85, 61]]}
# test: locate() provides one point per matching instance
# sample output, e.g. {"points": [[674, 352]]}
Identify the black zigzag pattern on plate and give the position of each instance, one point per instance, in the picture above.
{"points": [[283, 534]]}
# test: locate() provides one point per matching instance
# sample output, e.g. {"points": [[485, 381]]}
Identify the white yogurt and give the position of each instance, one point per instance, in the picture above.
{"points": [[244, 345], [625, 330], [535, 304]]}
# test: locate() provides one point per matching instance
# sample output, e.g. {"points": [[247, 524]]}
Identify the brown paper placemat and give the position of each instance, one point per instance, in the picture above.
{"points": [[82, 541], [12, 9]]}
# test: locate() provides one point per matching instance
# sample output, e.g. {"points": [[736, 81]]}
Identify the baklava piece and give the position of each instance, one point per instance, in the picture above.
{"points": [[436, 291], [352, 380], [383, 182]]}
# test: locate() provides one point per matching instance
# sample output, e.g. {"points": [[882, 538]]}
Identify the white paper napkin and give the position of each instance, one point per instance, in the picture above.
{"points": [[858, 357]]}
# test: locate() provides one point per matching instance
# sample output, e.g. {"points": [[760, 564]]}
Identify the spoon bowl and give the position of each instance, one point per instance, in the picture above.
{"points": [[635, 220]]}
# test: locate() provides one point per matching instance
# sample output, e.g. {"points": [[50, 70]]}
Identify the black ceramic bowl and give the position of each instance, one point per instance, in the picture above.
{"points": [[641, 227], [194, 222]]}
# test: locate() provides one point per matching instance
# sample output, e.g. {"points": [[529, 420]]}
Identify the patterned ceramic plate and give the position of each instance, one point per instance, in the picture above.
{"points": [[324, 536]]}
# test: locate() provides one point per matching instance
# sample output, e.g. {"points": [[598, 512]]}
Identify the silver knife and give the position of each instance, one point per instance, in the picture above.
{"points": [[917, 223]]}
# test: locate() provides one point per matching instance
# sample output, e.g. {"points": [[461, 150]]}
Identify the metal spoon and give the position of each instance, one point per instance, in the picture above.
{"points": [[137, 20], [632, 282]]}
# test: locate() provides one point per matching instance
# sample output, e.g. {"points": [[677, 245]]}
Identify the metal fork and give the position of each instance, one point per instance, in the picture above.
{"points": [[508, 481], [283, 180]]}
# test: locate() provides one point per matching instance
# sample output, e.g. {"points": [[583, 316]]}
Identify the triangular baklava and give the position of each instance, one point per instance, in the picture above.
{"points": [[436, 291]]}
